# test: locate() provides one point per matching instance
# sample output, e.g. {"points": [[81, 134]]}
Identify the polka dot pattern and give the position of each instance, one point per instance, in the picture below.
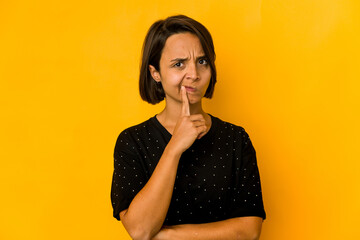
{"points": [[217, 176]]}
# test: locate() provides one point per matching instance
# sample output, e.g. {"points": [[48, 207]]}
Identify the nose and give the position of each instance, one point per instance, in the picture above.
{"points": [[192, 72]]}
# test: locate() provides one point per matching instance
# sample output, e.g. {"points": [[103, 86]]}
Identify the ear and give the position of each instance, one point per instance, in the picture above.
{"points": [[154, 73]]}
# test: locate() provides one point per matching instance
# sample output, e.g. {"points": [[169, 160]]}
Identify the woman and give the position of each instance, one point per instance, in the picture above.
{"points": [[184, 174]]}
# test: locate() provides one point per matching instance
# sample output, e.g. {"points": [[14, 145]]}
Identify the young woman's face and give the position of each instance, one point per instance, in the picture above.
{"points": [[183, 63]]}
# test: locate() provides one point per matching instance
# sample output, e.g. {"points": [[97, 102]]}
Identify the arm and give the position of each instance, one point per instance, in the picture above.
{"points": [[237, 227], [241, 228], [147, 211]]}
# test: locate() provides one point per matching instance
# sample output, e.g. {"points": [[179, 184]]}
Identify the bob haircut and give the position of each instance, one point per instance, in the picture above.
{"points": [[152, 91]]}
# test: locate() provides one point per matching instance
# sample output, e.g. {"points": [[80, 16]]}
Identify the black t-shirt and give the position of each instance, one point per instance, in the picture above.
{"points": [[217, 177]]}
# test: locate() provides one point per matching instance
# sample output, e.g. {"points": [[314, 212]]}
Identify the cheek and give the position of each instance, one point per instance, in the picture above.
{"points": [[206, 76], [174, 79]]}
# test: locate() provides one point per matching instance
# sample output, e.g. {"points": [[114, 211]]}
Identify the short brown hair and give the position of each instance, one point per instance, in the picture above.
{"points": [[151, 91]]}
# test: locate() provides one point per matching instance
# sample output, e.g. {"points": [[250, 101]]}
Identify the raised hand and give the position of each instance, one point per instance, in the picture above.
{"points": [[188, 127]]}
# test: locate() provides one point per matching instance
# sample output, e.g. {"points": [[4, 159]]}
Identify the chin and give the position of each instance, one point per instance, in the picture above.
{"points": [[194, 100]]}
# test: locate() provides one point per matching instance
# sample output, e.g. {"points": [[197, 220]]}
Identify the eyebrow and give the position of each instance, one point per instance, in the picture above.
{"points": [[184, 59]]}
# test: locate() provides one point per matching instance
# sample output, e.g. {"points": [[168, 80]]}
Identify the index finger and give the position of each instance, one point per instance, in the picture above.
{"points": [[185, 109]]}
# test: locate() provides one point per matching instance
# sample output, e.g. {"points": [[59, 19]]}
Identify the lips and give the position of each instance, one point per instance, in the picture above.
{"points": [[190, 89]]}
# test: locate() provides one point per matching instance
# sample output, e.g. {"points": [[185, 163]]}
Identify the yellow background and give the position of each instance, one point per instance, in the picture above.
{"points": [[288, 72]]}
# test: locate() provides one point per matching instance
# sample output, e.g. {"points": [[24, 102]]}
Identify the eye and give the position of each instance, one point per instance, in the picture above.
{"points": [[203, 61], [178, 64]]}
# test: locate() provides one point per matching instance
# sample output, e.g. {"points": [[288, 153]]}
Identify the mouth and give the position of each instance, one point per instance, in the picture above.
{"points": [[190, 89]]}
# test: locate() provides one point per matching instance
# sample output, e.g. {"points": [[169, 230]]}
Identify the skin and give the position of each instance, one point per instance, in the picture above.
{"points": [[182, 63], [185, 76]]}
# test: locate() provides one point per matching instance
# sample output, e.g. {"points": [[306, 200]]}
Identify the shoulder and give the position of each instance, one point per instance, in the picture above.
{"points": [[222, 124], [236, 131], [129, 135], [136, 129]]}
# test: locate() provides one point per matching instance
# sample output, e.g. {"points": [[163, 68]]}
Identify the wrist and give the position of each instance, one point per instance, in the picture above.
{"points": [[172, 150]]}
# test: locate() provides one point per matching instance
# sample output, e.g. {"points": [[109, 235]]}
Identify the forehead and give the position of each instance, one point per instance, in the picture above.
{"points": [[182, 45]]}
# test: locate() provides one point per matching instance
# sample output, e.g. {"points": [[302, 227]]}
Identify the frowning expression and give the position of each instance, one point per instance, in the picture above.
{"points": [[183, 63]]}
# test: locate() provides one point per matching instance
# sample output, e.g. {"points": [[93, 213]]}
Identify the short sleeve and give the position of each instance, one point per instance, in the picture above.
{"points": [[128, 176], [247, 197]]}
